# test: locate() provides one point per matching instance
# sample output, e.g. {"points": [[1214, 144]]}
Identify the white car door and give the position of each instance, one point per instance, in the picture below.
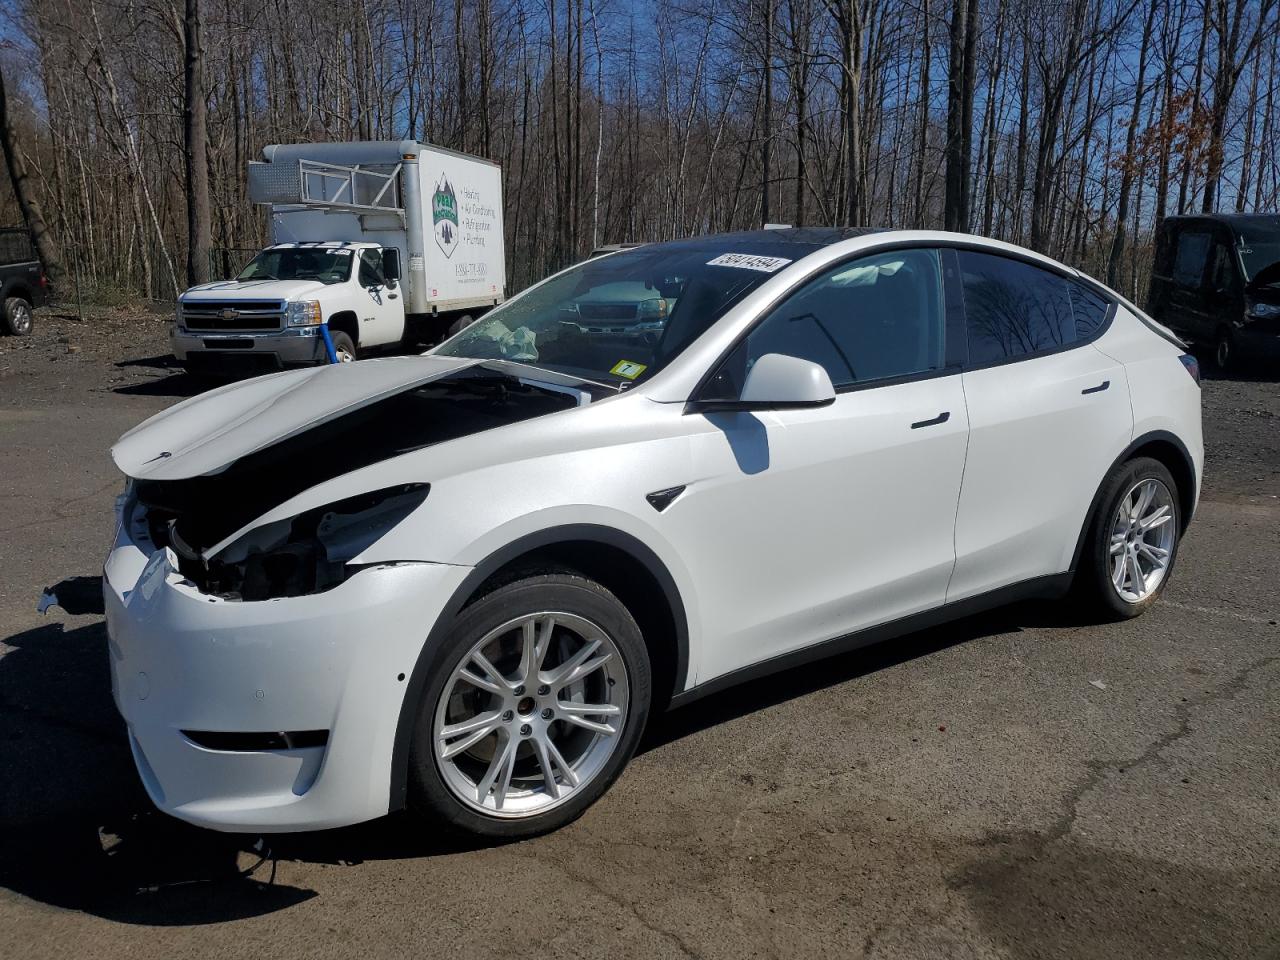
{"points": [[1048, 414], [804, 525], [380, 306]]}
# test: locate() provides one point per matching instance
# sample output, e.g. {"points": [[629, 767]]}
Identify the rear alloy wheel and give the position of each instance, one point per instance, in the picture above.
{"points": [[1133, 542], [540, 699]]}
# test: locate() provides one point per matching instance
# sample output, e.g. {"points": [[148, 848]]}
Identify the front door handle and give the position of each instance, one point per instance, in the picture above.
{"points": [[1098, 389], [943, 417]]}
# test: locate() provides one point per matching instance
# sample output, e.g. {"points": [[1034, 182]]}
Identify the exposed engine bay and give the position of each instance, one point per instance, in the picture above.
{"points": [[309, 553]]}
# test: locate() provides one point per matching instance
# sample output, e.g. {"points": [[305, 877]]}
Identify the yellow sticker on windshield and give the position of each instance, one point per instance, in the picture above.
{"points": [[628, 368]]}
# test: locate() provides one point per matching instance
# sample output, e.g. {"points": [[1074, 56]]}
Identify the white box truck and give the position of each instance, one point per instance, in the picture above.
{"points": [[382, 243]]}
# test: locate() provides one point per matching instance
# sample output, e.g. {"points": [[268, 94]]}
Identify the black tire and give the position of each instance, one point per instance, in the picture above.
{"points": [[1094, 586], [461, 324], [18, 318], [1224, 350], [570, 593], [343, 346]]}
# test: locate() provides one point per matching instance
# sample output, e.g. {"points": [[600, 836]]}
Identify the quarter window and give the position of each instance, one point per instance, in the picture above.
{"points": [[874, 318], [1089, 310], [1013, 309]]}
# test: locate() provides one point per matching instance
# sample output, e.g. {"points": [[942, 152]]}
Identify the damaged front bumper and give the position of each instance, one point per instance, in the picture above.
{"points": [[272, 715]]}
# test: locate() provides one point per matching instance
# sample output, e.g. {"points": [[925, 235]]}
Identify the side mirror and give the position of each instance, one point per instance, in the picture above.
{"points": [[778, 381], [391, 264]]}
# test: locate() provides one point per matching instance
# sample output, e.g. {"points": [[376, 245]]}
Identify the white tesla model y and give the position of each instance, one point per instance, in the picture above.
{"points": [[461, 582]]}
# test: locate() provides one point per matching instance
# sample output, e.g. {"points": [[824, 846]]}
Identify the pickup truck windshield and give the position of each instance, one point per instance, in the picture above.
{"points": [[327, 266], [621, 318]]}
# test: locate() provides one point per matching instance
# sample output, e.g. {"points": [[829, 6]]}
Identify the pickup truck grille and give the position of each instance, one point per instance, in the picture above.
{"points": [[607, 311], [233, 314]]}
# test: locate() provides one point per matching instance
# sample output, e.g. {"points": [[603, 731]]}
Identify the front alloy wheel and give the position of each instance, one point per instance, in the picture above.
{"points": [[534, 702], [531, 713]]}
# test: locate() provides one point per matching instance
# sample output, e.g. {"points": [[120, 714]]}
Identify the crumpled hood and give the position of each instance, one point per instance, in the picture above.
{"points": [[254, 290], [207, 433]]}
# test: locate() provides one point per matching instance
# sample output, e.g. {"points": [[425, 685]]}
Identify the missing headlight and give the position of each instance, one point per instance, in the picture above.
{"points": [[306, 554]]}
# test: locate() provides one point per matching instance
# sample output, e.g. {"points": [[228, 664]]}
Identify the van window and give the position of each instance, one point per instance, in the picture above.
{"points": [[1259, 246], [1189, 261], [1224, 270], [1013, 308]]}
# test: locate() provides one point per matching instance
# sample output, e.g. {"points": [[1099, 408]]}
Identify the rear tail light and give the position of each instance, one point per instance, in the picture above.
{"points": [[1192, 366], [44, 281]]}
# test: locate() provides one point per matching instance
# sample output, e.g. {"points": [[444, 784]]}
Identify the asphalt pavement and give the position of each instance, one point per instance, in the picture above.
{"points": [[1020, 784]]}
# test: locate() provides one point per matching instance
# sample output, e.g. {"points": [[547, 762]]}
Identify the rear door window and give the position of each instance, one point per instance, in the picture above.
{"points": [[1013, 309], [1190, 259]]}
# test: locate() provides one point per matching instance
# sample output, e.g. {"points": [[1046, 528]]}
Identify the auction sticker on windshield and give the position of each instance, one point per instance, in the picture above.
{"points": [[628, 368], [749, 261]]}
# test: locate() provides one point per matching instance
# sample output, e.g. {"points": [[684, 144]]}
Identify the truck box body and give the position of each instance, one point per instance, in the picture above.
{"points": [[444, 212]]}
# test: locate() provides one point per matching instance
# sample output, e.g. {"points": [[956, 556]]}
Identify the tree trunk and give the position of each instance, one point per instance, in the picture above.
{"points": [[195, 142], [766, 144], [1130, 159], [923, 141], [962, 74], [23, 190]]}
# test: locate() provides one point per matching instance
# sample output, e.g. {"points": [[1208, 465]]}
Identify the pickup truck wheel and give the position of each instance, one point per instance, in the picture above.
{"points": [[343, 348], [18, 319], [461, 324]]}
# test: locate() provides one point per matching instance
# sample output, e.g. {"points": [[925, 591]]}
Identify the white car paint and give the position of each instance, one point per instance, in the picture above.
{"points": [[794, 527], [1037, 446]]}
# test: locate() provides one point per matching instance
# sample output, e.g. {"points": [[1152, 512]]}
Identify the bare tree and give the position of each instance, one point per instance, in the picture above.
{"points": [[24, 192], [195, 137]]}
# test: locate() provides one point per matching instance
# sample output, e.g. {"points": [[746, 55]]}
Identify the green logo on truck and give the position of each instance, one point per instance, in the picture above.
{"points": [[444, 214]]}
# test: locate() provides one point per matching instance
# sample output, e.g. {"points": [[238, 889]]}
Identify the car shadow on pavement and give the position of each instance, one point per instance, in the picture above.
{"points": [[79, 832], [781, 687]]}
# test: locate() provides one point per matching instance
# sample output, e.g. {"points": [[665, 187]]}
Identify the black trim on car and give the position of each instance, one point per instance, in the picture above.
{"points": [[257, 742], [569, 533], [1047, 588]]}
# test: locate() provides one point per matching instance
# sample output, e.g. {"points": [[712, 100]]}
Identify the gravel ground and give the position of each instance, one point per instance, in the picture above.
{"points": [[1013, 785]]}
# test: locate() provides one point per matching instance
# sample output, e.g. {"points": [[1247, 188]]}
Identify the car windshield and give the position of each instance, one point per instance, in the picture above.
{"points": [[1259, 248], [621, 318], [292, 263]]}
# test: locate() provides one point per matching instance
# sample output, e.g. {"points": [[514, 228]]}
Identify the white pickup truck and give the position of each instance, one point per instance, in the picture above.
{"points": [[378, 243]]}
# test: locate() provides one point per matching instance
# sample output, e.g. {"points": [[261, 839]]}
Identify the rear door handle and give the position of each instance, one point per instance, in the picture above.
{"points": [[943, 417], [1098, 389]]}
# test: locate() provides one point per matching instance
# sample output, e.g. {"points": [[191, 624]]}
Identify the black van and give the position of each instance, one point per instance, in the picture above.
{"points": [[1217, 281]]}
